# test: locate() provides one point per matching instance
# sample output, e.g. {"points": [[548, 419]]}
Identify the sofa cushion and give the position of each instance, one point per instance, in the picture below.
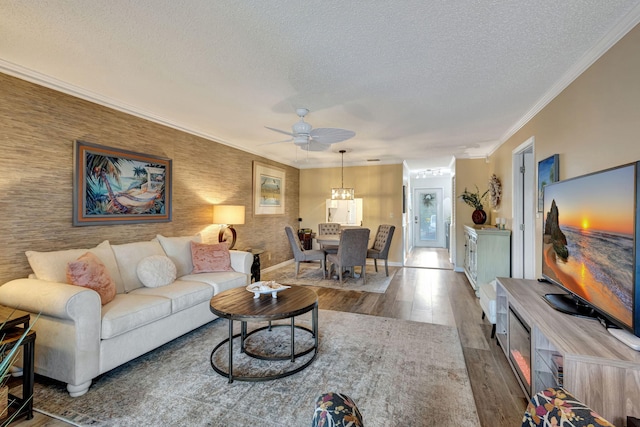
{"points": [[129, 255], [210, 258], [129, 311], [183, 294], [156, 270], [179, 250], [89, 272], [52, 266], [221, 281]]}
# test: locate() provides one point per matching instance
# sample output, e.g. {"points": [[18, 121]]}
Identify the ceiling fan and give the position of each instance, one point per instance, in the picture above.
{"points": [[309, 139]]}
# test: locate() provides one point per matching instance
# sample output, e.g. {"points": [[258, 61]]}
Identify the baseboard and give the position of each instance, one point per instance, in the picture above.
{"points": [[291, 261], [277, 266]]}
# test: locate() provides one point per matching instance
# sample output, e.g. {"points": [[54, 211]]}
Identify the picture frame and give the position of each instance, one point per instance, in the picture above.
{"points": [[114, 186], [269, 184], [548, 172], [404, 199]]}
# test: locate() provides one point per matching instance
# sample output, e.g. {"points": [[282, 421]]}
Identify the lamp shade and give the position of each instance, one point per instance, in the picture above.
{"points": [[228, 214]]}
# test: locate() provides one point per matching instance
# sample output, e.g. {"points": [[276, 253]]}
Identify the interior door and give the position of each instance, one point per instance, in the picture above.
{"points": [[428, 221], [524, 211]]}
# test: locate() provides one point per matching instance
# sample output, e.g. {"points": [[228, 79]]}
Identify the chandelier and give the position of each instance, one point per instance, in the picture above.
{"points": [[342, 193]]}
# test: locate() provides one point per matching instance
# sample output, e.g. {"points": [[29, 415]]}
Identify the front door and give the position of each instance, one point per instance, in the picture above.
{"points": [[428, 222]]}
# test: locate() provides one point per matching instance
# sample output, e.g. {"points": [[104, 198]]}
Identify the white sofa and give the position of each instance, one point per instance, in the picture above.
{"points": [[79, 339]]}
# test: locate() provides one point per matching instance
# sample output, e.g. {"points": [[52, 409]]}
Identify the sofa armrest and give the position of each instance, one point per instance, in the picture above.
{"points": [[68, 328], [59, 300], [241, 261]]}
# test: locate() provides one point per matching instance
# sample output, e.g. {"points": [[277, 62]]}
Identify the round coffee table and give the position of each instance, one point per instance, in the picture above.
{"points": [[239, 304]]}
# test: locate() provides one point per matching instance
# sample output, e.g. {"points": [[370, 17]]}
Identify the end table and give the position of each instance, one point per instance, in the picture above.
{"points": [[11, 333]]}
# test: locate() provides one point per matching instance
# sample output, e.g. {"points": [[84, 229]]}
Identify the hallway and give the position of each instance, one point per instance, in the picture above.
{"points": [[429, 258]]}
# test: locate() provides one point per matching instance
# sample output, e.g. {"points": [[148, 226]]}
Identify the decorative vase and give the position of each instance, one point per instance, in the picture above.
{"points": [[479, 216]]}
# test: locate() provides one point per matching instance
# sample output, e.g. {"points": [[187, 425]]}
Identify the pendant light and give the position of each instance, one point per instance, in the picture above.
{"points": [[342, 193]]}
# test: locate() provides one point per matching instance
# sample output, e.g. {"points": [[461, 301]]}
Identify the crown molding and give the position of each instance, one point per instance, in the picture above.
{"points": [[40, 79], [625, 25]]}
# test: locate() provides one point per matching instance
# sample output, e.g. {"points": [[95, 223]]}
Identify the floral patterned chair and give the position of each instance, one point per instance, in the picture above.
{"points": [[556, 407], [336, 410]]}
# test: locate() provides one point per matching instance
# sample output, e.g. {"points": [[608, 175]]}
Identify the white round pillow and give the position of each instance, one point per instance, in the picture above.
{"points": [[156, 270]]}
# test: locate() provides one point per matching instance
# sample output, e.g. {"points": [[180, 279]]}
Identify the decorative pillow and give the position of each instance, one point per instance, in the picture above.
{"points": [[156, 270], [89, 272], [179, 250], [129, 255], [52, 266], [210, 258]]}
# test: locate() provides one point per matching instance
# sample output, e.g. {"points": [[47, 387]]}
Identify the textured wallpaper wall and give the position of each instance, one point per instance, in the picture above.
{"points": [[38, 127]]}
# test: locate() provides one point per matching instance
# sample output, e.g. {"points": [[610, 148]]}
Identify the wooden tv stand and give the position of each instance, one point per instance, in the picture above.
{"points": [[598, 369]]}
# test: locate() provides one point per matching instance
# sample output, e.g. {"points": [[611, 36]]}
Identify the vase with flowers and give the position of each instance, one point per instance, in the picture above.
{"points": [[475, 200]]}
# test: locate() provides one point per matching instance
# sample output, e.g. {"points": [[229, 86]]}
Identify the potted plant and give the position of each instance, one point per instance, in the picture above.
{"points": [[475, 199]]}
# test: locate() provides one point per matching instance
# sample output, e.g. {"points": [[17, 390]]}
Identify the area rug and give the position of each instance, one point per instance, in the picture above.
{"points": [[311, 274], [400, 373]]}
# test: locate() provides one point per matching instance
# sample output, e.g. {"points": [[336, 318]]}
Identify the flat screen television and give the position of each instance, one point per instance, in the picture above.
{"points": [[590, 236]]}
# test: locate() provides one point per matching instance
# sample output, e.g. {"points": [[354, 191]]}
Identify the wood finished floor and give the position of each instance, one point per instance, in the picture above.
{"points": [[431, 292]]}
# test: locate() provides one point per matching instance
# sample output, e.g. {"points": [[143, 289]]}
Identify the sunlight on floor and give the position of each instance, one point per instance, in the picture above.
{"points": [[429, 258]]}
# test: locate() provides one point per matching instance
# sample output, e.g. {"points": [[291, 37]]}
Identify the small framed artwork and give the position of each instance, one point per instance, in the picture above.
{"points": [[268, 189], [548, 172], [113, 186], [404, 199]]}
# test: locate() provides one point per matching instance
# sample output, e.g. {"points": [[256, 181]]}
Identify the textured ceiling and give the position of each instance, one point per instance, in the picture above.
{"points": [[420, 81]]}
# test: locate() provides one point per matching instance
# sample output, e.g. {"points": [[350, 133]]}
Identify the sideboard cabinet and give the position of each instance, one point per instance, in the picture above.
{"points": [[487, 254], [573, 352]]}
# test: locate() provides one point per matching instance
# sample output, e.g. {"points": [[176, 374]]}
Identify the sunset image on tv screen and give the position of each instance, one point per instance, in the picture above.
{"points": [[589, 239]]}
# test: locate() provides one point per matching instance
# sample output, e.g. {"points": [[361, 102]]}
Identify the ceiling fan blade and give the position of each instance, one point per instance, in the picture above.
{"points": [[276, 142], [330, 135], [280, 131]]}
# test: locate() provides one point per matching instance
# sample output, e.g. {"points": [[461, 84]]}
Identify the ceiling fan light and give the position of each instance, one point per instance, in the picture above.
{"points": [[342, 194], [301, 140], [301, 127]]}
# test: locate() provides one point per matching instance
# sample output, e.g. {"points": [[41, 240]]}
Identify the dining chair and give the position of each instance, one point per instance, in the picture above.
{"points": [[325, 228], [352, 251], [301, 255], [380, 248]]}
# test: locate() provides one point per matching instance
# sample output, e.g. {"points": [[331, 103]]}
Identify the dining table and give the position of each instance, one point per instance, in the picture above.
{"points": [[328, 239], [332, 239]]}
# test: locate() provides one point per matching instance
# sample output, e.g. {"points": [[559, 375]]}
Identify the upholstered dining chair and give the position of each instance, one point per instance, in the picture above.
{"points": [[352, 251], [325, 228], [380, 248], [301, 255]]}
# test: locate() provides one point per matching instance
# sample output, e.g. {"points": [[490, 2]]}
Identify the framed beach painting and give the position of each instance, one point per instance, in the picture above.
{"points": [[113, 186], [548, 172], [268, 189]]}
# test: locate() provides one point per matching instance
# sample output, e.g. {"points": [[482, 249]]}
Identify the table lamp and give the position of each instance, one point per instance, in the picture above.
{"points": [[227, 216]]}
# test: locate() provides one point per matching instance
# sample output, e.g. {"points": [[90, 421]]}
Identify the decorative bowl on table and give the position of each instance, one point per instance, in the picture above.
{"points": [[266, 287]]}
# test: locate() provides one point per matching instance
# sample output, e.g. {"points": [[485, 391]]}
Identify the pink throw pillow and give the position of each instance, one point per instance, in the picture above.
{"points": [[89, 272], [210, 258]]}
